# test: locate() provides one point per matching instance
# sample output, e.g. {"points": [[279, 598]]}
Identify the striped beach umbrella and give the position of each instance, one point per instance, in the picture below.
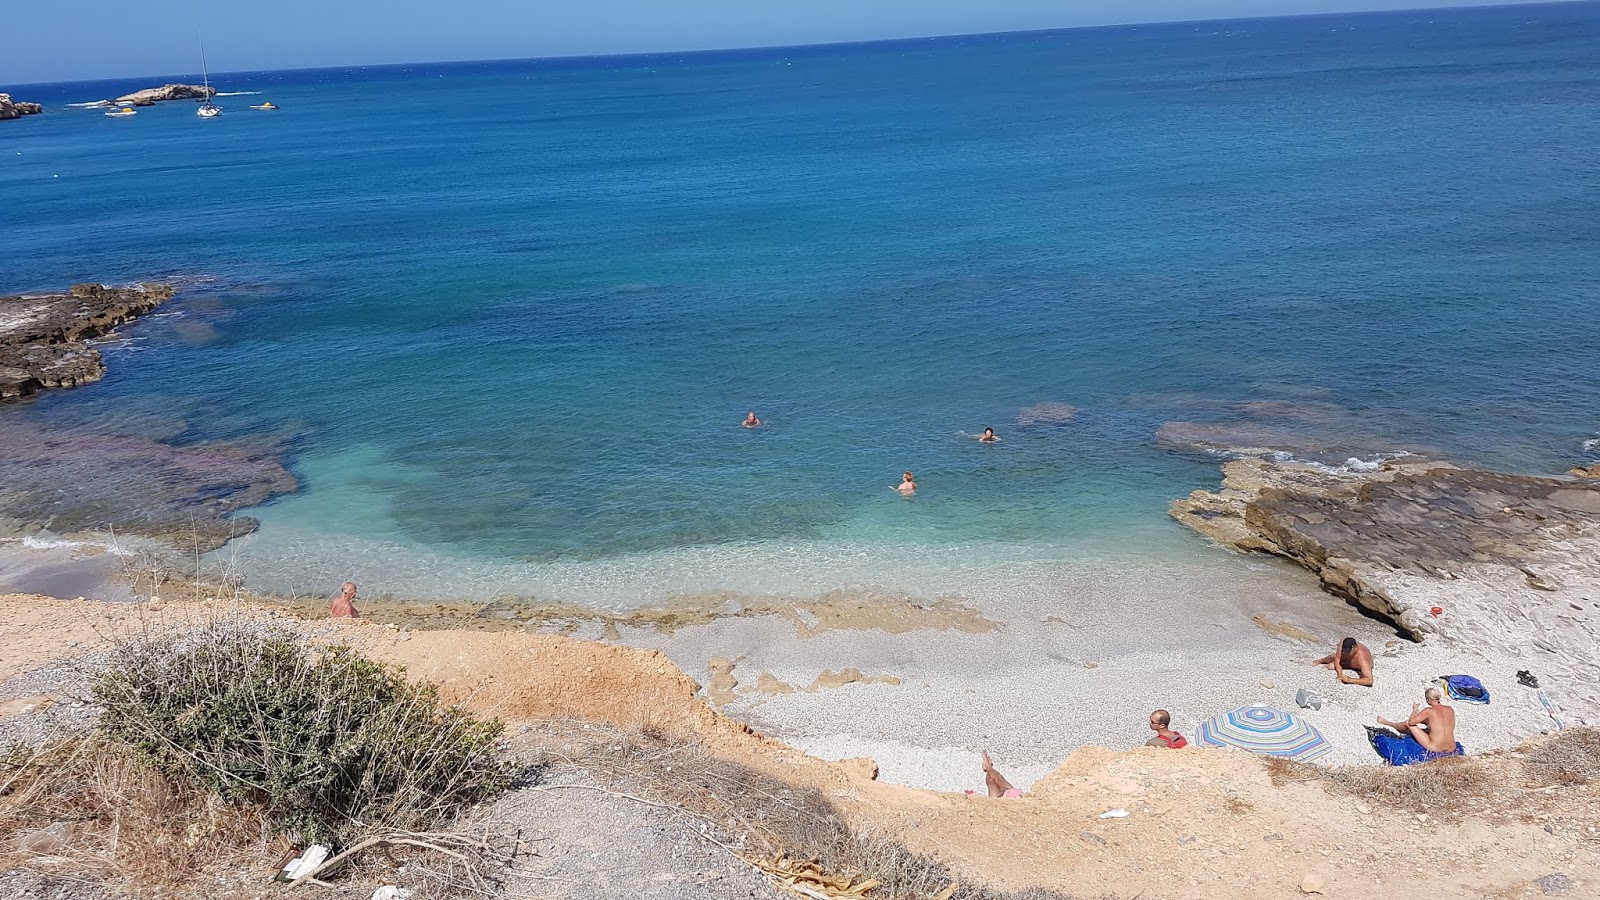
{"points": [[1263, 729]]}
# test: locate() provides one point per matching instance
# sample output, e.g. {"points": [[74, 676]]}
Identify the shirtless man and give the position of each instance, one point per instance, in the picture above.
{"points": [[988, 436], [344, 605], [907, 485], [1433, 726], [1350, 656], [750, 420]]}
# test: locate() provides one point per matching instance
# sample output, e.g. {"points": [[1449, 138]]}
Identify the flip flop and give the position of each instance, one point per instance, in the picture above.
{"points": [[1526, 679]]}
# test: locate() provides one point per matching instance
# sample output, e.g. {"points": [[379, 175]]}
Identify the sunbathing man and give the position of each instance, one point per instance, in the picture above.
{"points": [[996, 783], [344, 605], [1350, 656], [1160, 723], [1432, 726]]}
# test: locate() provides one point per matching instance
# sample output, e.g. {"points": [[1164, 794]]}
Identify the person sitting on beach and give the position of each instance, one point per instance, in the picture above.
{"points": [[907, 485], [988, 436], [1160, 723], [1433, 726], [996, 783], [750, 420], [1350, 656], [344, 605]]}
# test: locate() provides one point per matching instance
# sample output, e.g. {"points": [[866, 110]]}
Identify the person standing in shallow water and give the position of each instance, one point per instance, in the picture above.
{"points": [[907, 485], [344, 605]]}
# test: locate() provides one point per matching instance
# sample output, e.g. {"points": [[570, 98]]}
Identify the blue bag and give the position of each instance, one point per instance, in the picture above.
{"points": [[1465, 688]]}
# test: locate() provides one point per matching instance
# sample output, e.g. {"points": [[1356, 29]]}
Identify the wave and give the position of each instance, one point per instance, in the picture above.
{"points": [[236, 93], [1354, 464], [34, 542], [1592, 445], [95, 104]]}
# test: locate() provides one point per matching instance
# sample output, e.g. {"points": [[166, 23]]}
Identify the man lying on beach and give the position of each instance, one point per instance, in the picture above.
{"points": [[1350, 656], [344, 605], [1432, 726], [996, 783], [1160, 723]]}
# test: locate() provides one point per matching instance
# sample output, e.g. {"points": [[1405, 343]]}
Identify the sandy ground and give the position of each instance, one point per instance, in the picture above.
{"points": [[1200, 824], [1030, 667]]}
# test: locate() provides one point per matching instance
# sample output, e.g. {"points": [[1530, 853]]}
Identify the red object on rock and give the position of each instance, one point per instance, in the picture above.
{"points": [[1436, 611]]}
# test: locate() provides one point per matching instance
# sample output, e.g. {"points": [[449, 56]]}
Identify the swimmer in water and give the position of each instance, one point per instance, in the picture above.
{"points": [[988, 436], [907, 485], [750, 420]]}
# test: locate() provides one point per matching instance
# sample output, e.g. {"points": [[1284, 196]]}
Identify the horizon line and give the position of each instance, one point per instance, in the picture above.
{"points": [[768, 48]]}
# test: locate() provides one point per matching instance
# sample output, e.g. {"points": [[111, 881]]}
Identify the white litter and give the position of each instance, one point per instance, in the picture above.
{"points": [[1118, 813]]}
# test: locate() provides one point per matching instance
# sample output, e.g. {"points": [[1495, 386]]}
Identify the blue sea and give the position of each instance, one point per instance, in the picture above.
{"points": [[506, 317]]}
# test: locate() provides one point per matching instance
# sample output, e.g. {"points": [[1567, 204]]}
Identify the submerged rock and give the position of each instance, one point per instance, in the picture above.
{"points": [[151, 96], [16, 109], [41, 335], [69, 481], [1510, 561]]}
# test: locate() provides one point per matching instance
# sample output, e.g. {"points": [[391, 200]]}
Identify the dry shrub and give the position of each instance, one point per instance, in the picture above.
{"points": [[1444, 786], [1569, 757], [763, 814], [329, 744], [124, 823]]}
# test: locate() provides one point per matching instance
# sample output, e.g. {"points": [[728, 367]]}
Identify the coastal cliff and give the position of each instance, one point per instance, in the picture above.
{"points": [[152, 96], [16, 109], [1509, 561], [41, 335]]}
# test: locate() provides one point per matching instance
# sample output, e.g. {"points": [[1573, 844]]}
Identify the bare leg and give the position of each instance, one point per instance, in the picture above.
{"points": [[1326, 660], [993, 780]]}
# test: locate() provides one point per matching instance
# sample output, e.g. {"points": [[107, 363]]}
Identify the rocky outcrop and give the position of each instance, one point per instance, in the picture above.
{"points": [[69, 480], [152, 96], [1511, 561], [41, 335], [16, 109]]}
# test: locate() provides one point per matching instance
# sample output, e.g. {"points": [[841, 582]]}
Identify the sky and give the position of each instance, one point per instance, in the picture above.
{"points": [[77, 40]]}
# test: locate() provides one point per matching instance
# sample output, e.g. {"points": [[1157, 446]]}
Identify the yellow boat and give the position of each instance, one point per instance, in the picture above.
{"points": [[267, 105], [123, 112]]}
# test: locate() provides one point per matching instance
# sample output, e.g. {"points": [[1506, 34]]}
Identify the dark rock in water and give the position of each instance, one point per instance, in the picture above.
{"points": [[152, 96], [73, 481], [41, 335], [1048, 413], [1506, 559], [16, 109]]}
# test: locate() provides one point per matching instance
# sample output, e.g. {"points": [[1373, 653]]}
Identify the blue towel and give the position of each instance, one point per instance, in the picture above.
{"points": [[1398, 750], [1465, 688]]}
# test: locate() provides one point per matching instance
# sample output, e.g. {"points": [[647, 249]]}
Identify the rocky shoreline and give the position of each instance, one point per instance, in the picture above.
{"points": [[152, 96], [42, 336], [1510, 562], [16, 109]]}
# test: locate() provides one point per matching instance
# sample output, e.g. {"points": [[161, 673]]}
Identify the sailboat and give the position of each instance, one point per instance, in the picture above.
{"points": [[207, 110]]}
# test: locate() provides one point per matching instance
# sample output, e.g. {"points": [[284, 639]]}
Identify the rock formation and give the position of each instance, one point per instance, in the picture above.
{"points": [[70, 480], [41, 335], [151, 96], [1511, 561], [16, 109]]}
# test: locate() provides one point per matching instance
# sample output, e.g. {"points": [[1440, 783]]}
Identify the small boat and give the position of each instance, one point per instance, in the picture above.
{"points": [[267, 105], [123, 112], [206, 110]]}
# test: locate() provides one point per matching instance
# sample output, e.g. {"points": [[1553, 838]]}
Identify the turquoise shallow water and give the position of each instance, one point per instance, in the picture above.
{"points": [[509, 314]]}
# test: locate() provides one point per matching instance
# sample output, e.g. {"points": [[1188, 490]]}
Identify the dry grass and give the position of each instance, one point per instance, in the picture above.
{"points": [[756, 813], [126, 825], [1448, 787], [1569, 757]]}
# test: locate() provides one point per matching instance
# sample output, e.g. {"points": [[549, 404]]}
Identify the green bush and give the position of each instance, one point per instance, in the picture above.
{"points": [[328, 742]]}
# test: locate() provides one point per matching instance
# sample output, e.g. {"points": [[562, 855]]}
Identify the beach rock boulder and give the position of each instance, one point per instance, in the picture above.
{"points": [[1484, 559], [16, 109], [152, 96], [42, 335]]}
